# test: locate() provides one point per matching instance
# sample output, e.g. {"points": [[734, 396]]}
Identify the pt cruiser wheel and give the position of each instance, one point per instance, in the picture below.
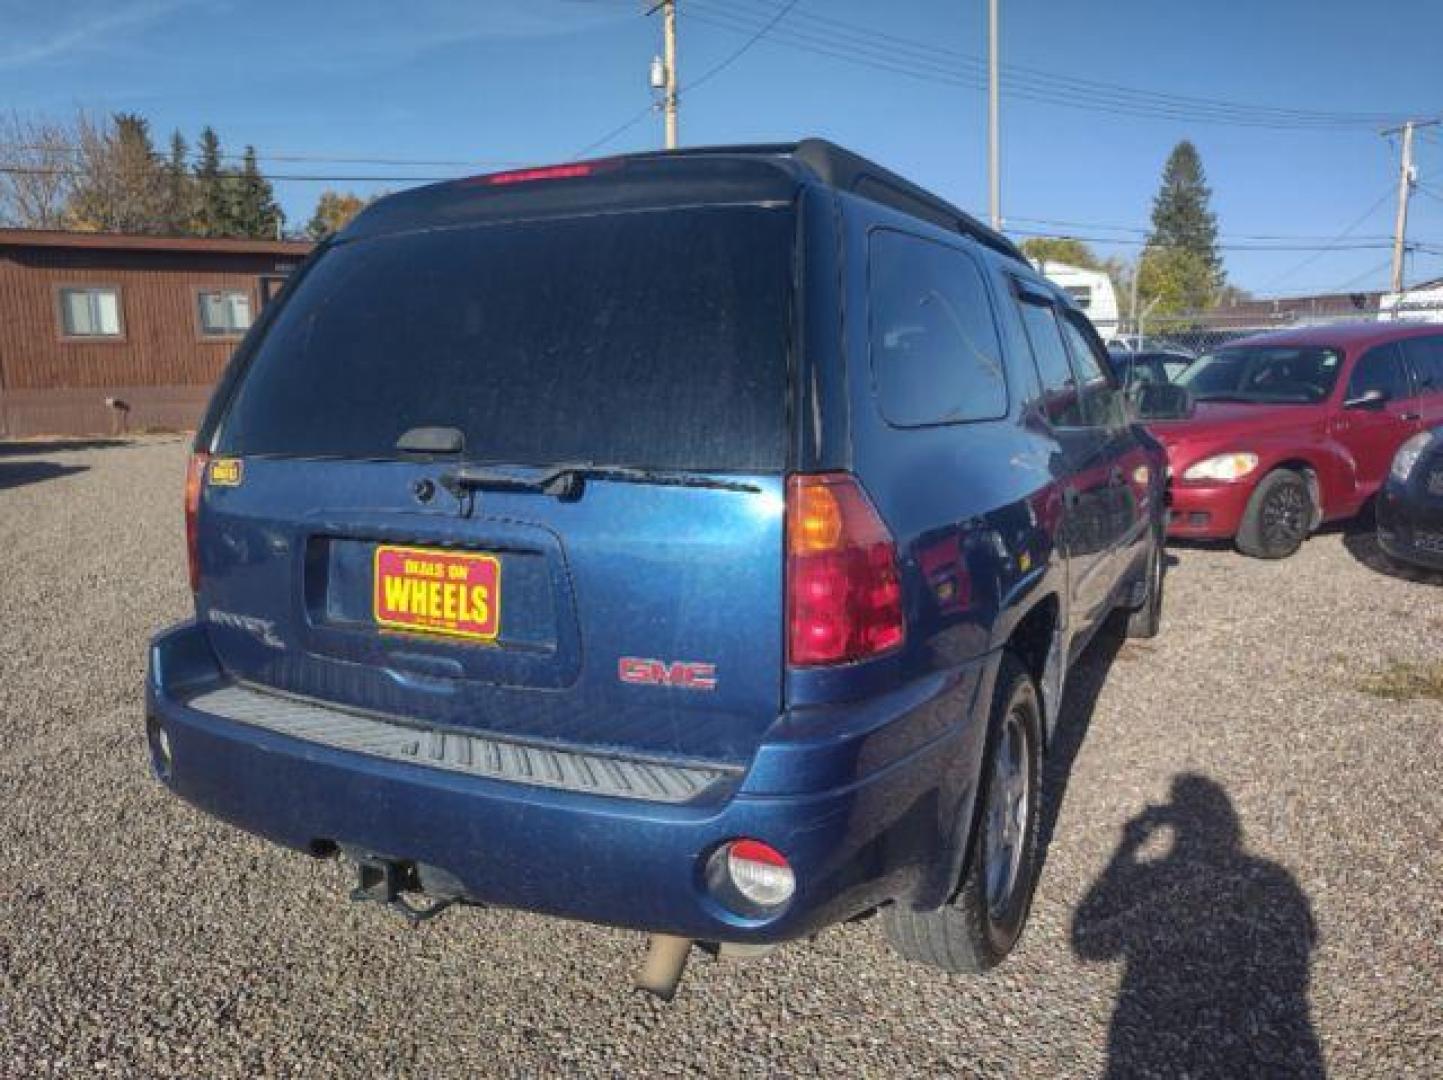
{"points": [[1278, 516]]}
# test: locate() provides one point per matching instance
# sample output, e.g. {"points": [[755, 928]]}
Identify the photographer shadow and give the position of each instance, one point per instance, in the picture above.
{"points": [[1217, 945]]}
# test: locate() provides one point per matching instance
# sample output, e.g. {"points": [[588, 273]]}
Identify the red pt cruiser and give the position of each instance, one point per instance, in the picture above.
{"points": [[1296, 428]]}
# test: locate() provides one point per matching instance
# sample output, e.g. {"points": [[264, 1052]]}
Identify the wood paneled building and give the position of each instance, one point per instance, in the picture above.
{"points": [[102, 333]]}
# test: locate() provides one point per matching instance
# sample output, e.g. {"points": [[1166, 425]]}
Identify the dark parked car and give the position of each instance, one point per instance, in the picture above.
{"points": [[1148, 367], [691, 542], [1410, 506], [1295, 428]]}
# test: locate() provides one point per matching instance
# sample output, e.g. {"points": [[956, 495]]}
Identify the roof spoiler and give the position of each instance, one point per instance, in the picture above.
{"points": [[840, 168]]}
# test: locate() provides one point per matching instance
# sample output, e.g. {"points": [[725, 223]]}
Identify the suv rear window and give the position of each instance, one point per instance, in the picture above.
{"points": [[655, 338]]}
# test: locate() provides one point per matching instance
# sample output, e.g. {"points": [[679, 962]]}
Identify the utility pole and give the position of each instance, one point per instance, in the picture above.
{"points": [[994, 164], [1407, 176], [668, 23], [1405, 189]]}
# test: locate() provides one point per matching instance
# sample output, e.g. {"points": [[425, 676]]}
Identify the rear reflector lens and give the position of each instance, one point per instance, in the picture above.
{"points": [[844, 592], [759, 873], [194, 482]]}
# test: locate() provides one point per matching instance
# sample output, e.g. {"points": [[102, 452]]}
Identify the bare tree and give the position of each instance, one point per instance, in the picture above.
{"points": [[37, 170], [122, 183]]}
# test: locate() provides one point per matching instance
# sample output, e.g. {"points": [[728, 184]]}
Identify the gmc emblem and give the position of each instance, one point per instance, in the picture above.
{"points": [[686, 674]]}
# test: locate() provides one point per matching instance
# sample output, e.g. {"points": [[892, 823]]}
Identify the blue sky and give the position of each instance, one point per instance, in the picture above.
{"points": [[537, 80]]}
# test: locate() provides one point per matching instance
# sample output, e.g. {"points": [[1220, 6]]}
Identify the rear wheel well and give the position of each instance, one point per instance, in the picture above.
{"points": [[1031, 639]]}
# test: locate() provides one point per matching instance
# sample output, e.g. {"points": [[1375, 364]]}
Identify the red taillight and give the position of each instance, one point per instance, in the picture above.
{"points": [[194, 480], [844, 599], [570, 171]]}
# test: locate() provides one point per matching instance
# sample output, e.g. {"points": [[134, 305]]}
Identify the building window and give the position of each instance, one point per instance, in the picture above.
{"points": [[224, 312], [90, 312]]}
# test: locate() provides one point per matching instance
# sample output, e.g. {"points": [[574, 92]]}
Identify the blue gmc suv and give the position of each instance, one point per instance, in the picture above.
{"points": [[692, 542]]}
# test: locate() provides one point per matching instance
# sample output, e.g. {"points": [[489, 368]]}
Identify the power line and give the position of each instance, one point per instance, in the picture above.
{"points": [[1283, 243], [1144, 231], [26, 170], [711, 73], [625, 125], [945, 67], [1347, 232], [932, 73], [1365, 275], [194, 157], [1321, 249], [857, 33], [746, 45]]}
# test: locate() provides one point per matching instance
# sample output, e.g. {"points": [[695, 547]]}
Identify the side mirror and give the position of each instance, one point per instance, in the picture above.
{"points": [[1372, 400], [1160, 401]]}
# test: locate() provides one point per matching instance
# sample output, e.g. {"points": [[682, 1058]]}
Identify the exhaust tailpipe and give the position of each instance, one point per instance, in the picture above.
{"points": [[665, 963]]}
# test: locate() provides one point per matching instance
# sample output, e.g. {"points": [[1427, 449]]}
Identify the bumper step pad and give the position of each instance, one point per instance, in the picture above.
{"points": [[474, 755]]}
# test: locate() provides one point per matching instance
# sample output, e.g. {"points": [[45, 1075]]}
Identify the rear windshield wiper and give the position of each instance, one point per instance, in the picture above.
{"points": [[566, 481], [628, 474]]}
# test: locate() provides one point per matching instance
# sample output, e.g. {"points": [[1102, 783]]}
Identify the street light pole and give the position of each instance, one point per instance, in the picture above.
{"points": [[994, 164]]}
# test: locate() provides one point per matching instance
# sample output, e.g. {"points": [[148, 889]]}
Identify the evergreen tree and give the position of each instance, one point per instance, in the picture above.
{"points": [[257, 213], [1183, 222], [179, 189], [215, 197]]}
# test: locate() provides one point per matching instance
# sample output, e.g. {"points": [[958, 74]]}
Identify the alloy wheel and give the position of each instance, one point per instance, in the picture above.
{"points": [[1285, 516], [1009, 808]]}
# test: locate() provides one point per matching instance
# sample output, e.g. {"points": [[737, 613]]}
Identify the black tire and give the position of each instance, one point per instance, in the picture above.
{"points": [[1278, 516], [1145, 620], [969, 935]]}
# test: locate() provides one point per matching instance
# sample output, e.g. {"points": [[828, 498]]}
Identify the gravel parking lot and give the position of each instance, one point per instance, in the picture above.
{"points": [[1288, 909]]}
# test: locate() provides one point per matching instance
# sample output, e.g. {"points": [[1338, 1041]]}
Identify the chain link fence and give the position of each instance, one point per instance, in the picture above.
{"points": [[1199, 332]]}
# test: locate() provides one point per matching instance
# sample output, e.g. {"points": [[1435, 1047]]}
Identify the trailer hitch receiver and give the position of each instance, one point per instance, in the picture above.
{"points": [[386, 881]]}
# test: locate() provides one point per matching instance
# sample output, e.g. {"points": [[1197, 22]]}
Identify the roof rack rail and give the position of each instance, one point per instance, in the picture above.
{"points": [[840, 168], [851, 172]]}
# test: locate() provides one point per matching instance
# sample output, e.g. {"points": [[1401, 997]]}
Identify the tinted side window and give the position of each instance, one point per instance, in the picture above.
{"points": [[1426, 356], [1101, 403], [935, 353], [1060, 400], [1379, 369]]}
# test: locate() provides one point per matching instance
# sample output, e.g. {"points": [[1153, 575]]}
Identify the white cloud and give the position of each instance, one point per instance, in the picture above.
{"points": [[82, 32]]}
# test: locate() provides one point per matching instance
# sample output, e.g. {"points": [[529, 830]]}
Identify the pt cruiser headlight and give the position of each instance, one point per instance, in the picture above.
{"points": [[1408, 455], [1222, 467]]}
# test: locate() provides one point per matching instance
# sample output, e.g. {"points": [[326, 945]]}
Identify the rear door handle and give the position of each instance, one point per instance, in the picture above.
{"points": [[1069, 497], [1410, 417]]}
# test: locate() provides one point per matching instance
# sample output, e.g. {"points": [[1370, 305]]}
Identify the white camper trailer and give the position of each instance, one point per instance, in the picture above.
{"points": [[1091, 290]]}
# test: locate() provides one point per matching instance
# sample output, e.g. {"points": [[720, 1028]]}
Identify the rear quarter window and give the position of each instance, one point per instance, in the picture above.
{"points": [[934, 347], [1379, 369], [1425, 354]]}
